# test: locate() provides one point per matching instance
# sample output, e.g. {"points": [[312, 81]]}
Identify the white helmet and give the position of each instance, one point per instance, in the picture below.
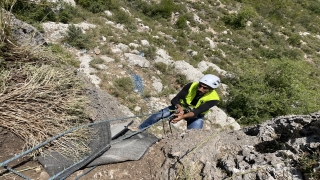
{"points": [[210, 80]]}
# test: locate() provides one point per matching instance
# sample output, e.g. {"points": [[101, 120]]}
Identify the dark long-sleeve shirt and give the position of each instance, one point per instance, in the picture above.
{"points": [[202, 108]]}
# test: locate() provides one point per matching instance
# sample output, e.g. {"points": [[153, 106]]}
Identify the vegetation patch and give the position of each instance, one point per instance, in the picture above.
{"points": [[40, 96], [260, 93]]}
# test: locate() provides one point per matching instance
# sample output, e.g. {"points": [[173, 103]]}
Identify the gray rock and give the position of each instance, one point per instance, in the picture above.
{"points": [[136, 60], [266, 151], [23, 33]]}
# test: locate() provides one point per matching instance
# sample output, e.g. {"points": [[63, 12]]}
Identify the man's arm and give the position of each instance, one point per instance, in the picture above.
{"points": [[181, 95], [204, 107]]}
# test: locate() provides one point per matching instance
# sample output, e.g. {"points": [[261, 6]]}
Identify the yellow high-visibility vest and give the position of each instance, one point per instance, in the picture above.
{"points": [[212, 95]]}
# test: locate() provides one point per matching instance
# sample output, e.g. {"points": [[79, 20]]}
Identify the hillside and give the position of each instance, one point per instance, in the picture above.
{"points": [[267, 55]]}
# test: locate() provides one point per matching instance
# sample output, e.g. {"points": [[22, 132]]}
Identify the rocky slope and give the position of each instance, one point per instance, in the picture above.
{"points": [[270, 150]]}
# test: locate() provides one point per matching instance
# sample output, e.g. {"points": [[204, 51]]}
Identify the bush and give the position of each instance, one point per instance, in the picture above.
{"points": [[274, 89], [181, 22], [45, 11], [294, 39], [313, 6], [162, 10], [162, 67], [95, 62], [77, 38], [210, 70], [124, 84], [62, 56], [238, 21], [97, 6], [307, 162], [181, 79], [149, 52], [122, 17], [294, 54]]}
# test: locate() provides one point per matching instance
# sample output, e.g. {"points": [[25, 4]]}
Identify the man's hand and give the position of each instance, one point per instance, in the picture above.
{"points": [[181, 116], [177, 118], [180, 109]]}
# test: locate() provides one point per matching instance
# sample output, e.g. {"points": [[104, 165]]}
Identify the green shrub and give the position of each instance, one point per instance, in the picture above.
{"points": [[274, 89], [307, 162], [122, 17], [77, 38], [182, 43], [194, 60], [124, 84], [294, 54], [181, 22], [97, 6], [270, 53], [181, 79], [315, 7], [64, 56], [202, 27], [67, 13], [32, 12], [210, 70], [167, 91], [294, 39], [44, 11], [162, 10], [95, 61], [149, 52], [238, 21], [162, 67]]}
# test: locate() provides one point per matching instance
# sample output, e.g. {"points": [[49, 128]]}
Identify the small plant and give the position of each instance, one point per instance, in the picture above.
{"points": [[167, 91], [162, 67], [210, 70], [181, 79], [124, 84], [122, 17], [62, 56], [163, 9], [294, 40], [97, 6], [93, 63], [181, 22], [77, 38], [238, 21], [307, 163], [149, 52], [45, 11]]}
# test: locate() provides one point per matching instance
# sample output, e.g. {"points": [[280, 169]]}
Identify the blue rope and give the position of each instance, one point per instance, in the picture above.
{"points": [[17, 173], [138, 85]]}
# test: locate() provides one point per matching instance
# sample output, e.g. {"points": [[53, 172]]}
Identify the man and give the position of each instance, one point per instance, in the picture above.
{"points": [[191, 103]]}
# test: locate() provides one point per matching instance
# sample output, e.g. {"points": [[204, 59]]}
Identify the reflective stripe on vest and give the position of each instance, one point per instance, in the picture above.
{"points": [[212, 95]]}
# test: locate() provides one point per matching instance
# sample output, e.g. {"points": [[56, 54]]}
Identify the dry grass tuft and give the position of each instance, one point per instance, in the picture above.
{"points": [[38, 102], [39, 98]]}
